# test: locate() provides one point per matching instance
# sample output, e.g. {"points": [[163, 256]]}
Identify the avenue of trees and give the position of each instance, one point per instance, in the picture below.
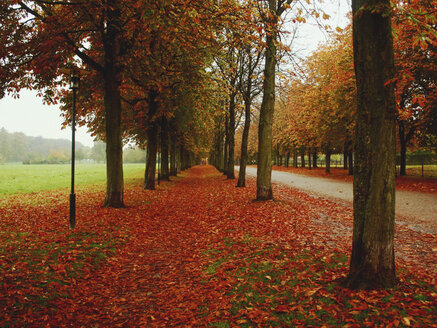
{"points": [[178, 77]]}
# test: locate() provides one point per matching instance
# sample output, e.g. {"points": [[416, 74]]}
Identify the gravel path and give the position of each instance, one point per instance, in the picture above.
{"points": [[418, 211]]}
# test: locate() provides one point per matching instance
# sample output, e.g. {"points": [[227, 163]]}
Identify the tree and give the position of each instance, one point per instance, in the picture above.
{"points": [[271, 18], [416, 73], [249, 87], [372, 262], [98, 35]]}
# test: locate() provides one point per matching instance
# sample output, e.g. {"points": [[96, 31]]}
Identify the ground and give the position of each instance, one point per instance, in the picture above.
{"points": [[415, 209], [199, 252], [412, 182]]}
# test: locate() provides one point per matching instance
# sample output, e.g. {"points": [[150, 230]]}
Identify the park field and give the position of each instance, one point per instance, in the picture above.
{"points": [[17, 178]]}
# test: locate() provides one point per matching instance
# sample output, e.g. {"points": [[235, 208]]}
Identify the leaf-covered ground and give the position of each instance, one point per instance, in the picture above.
{"points": [[199, 252], [412, 182]]}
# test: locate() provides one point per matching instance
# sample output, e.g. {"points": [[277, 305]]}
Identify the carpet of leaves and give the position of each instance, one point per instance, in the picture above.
{"points": [[412, 182], [199, 252]]}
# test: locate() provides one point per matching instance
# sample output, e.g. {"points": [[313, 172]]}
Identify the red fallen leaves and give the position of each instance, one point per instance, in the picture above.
{"points": [[192, 252]]}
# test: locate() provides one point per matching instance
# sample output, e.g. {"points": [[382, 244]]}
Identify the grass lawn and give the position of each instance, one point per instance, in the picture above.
{"points": [[17, 178]]}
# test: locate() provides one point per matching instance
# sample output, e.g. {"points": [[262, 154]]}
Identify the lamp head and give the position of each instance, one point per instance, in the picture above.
{"points": [[74, 81]]}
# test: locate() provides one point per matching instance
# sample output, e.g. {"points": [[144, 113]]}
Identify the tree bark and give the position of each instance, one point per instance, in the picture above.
{"points": [[264, 169], [152, 142], [372, 262], [309, 159], [244, 142], [328, 160], [403, 150], [295, 158], [230, 171], [112, 103], [302, 158], [351, 162], [345, 156], [114, 147], [226, 146], [173, 165], [315, 158], [165, 174]]}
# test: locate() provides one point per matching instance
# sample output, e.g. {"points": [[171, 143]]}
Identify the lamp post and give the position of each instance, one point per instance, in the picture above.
{"points": [[74, 85]]}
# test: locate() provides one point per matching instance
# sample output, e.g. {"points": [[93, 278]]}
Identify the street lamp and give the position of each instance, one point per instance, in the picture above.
{"points": [[74, 85]]}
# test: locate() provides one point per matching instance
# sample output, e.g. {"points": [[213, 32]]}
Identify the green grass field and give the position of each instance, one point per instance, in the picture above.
{"points": [[17, 178], [416, 170]]}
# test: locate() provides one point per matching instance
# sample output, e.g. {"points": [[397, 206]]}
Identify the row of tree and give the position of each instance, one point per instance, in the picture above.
{"points": [[168, 74], [316, 111]]}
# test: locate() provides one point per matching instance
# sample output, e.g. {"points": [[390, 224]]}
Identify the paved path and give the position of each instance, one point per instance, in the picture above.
{"points": [[416, 210]]}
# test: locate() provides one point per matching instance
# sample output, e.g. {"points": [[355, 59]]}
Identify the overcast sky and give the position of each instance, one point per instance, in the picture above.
{"points": [[28, 114]]}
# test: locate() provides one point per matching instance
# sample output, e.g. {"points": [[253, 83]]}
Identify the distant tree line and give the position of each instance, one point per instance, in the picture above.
{"points": [[18, 148]]}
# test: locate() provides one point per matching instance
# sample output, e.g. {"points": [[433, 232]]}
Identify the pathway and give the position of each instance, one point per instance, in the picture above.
{"points": [[416, 210]]}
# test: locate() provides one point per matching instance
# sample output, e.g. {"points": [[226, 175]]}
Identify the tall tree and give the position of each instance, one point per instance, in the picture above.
{"points": [[271, 18], [372, 262], [100, 34]]}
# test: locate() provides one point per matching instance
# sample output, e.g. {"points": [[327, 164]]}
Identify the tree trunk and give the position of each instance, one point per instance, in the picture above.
{"points": [[295, 158], [345, 156], [328, 160], [403, 150], [182, 158], [302, 158], [372, 262], [287, 158], [226, 146], [173, 166], [351, 162], [309, 159], [165, 174], [114, 146], [112, 103], [244, 142], [264, 169], [231, 161], [315, 158], [152, 142]]}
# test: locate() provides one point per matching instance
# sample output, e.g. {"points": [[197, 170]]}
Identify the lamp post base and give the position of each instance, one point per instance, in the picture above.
{"points": [[72, 211]]}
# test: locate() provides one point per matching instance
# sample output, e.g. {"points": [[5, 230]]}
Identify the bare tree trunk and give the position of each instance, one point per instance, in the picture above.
{"points": [[114, 146], [165, 173], [328, 160], [152, 142], [403, 150], [226, 146], [244, 142], [309, 159], [173, 166], [302, 158], [295, 158], [231, 161], [264, 169], [372, 262]]}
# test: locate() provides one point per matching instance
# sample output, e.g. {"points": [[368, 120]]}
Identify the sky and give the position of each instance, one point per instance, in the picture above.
{"points": [[29, 115]]}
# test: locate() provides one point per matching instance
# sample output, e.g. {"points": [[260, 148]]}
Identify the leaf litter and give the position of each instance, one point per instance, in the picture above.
{"points": [[199, 252]]}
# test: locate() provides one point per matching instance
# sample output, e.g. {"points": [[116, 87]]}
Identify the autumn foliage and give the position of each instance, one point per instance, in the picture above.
{"points": [[197, 252]]}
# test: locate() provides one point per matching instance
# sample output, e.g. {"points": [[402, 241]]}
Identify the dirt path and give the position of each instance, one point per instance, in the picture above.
{"points": [[417, 211]]}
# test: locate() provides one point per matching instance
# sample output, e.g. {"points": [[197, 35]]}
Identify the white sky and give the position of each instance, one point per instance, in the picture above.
{"points": [[29, 115]]}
